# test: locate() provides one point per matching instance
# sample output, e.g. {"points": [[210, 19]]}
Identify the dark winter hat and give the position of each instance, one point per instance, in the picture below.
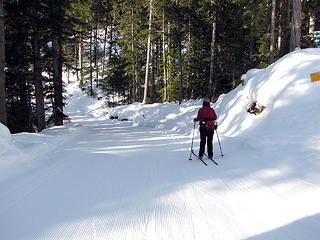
{"points": [[206, 102]]}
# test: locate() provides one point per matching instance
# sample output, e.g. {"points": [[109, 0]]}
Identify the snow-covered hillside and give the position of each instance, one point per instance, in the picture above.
{"points": [[284, 88], [97, 178]]}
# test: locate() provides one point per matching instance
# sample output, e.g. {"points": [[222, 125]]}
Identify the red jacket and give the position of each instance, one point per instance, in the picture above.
{"points": [[206, 113]]}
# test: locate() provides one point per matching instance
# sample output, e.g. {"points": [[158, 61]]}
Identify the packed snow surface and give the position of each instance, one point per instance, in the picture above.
{"points": [[131, 178]]}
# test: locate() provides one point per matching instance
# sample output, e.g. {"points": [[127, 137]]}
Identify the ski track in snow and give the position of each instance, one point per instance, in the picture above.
{"points": [[117, 181]]}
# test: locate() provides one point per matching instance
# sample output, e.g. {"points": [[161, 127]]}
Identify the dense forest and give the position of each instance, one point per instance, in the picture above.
{"points": [[138, 50]]}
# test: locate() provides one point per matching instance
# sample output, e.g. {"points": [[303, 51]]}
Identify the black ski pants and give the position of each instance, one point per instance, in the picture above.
{"points": [[206, 137]]}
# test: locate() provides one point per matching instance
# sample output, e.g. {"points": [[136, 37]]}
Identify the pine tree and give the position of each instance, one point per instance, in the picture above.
{"points": [[56, 24], [37, 68], [132, 26], [3, 111], [146, 81], [284, 30], [273, 31], [311, 10], [19, 76], [80, 13], [295, 37]]}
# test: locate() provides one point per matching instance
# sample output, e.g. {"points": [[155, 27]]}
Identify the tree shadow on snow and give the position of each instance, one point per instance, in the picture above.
{"points": [[305, 228]]}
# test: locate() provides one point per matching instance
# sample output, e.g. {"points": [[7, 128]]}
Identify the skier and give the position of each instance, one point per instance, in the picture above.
{"points": [[206, 116]]}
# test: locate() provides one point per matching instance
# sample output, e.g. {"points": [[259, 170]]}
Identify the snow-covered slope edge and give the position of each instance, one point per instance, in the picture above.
{"points": [[284, 88], [166, 116], [18, 151], [8, 150]]}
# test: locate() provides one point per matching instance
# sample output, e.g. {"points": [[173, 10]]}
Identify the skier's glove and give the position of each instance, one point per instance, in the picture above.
{"points": [[194, 119], [215, 125]]}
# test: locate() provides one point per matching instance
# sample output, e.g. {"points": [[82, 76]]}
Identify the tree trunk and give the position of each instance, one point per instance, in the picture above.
{"points": [[96, 54], [103, 58], [164, 60], [314, 17], [252, 35], [180, 68], [133, 64], [284, 31], [3, 111], [188, 73], [91, 69], [296, 25], [316, 6], [146, 81], [38, 81], [151, 80], [179, 34], [57, 81], [273, 31], [25, 104], [80, 63], [111, 41], [213, 40], [169, 73]]}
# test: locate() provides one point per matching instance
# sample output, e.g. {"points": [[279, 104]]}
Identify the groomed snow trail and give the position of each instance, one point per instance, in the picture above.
{"points": [[116, 181]]}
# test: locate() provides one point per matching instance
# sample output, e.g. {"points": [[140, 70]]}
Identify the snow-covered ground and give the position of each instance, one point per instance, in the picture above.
{"points": [[97, 178]]}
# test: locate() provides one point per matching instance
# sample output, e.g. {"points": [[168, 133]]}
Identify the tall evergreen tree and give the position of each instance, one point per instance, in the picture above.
{"points": [[284, 27], [273, 31], [311, 10], [295, 37], [3, 111], [146, 81], [59, 24], [19, 76], [132, 27], [56, 28], [35, 19]]}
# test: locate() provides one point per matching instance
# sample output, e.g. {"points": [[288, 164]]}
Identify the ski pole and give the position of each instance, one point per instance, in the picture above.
{"points": [[219, 143], [194, 127]]}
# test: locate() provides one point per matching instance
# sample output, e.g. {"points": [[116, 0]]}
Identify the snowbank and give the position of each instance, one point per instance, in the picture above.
{"points": [[284, 90], [166, 116], [80, 103], [20, 150], [5, 138], [6, 143], [9, 152]]}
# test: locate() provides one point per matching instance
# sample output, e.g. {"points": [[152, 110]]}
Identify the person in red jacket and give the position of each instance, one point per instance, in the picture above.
{"points": [[206, 116]]}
